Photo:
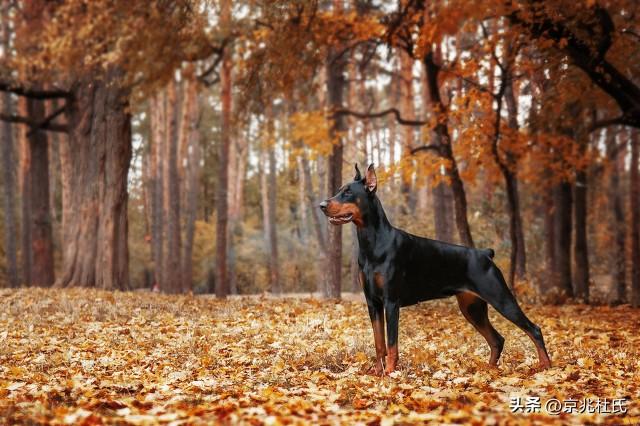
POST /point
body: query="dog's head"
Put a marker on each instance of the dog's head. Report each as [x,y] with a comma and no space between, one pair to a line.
[352,199]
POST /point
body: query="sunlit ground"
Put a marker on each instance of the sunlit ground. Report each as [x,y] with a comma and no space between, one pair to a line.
[79,356]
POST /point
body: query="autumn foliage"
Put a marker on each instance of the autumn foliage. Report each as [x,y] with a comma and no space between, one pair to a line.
[89,357]
[153,153]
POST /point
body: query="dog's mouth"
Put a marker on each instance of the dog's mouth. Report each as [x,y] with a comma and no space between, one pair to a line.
[340,220]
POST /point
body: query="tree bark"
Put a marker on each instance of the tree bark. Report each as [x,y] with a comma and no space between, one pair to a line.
[580,210]
[172,279]
[194,155]
[95,250]
[634,205]
[42,269]
[8,179]
[617,222]
[335,87]
[274,274]
[25,198]
[7,151]
[562,232]
[157,119]
[222,206]
[550,238]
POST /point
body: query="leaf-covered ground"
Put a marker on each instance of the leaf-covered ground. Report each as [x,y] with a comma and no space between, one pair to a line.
[80,356]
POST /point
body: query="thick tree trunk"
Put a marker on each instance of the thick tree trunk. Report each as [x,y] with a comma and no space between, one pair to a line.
[171,263]
[562,250]
[634,205]
[8,179]
[25,198]
[222,188]
[446,151]
[95,250]
[336,86]
[237,170]
[442,214]
[617,222]
[54,167]
[7,151]
[42,270]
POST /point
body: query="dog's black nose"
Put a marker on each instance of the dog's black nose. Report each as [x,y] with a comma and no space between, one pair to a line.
[323,205]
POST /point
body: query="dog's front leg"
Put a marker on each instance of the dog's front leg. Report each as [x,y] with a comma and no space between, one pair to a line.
[376,313]
[392,313]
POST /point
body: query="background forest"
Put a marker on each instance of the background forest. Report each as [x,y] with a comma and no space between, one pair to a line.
[186,144]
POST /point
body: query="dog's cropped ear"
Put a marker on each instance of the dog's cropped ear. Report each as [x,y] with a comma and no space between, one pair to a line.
[370,179]
[358,176]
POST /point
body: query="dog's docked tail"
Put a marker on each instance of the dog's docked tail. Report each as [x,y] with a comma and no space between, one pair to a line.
[489,252]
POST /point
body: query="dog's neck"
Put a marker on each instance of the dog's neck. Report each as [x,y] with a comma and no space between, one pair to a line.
[375,225]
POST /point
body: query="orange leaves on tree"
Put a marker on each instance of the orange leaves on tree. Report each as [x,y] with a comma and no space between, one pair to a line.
[312,129]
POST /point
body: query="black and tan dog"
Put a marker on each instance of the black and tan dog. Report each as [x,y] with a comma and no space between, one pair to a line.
[399,269]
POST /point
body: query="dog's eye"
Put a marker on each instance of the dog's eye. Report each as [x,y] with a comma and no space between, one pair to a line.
[347,192]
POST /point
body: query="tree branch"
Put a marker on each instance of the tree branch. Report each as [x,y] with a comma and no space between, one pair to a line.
[622,120]
[394,111]
[44,125]
[435,148]
[33,93]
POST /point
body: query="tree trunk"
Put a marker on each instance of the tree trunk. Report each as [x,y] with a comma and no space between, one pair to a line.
[408,112]
[562,232]
[580,248]
[446,151]
[550,238]
[336,86]
[42,271]
[172,280]
[7,151]
[274,275]
[313,205]
[8,179]
[157,120]
[302,201]
[222,188]
[442,214]
[617,223]
[25,198]
[518,256]
[515,227]
[634,194]
[95,250]
[193,155]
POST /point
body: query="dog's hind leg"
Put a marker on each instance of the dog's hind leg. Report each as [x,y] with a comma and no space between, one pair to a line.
[491,287]
[475,311]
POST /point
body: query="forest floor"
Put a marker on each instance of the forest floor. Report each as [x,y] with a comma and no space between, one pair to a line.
[90,357]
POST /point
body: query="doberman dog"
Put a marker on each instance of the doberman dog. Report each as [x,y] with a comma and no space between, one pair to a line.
[398,269]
